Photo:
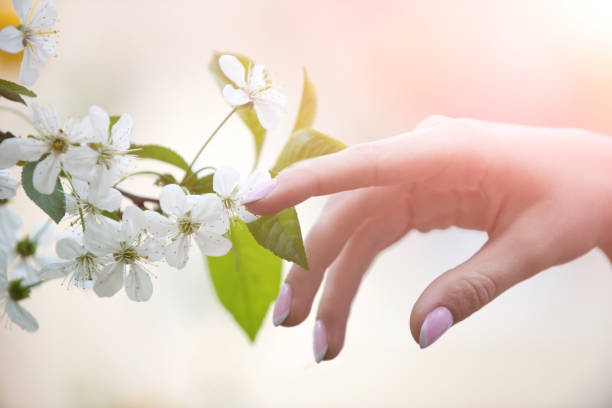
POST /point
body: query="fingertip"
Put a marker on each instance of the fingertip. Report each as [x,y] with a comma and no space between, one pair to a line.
[436,323]
[300,309]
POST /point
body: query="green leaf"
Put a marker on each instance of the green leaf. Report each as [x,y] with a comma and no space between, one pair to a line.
[308,106]
[160,153]
[165,179]
[53,204]
[246,280]
[13,91]
[202,185]
[281,234]
[245,112]
[306,144]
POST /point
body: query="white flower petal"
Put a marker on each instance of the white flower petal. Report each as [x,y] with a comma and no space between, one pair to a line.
[81,188]
[273,96]
[110,280]
[69,248]
[78,161]
[28,73]
[44,16]
[25,270]
[100,123]
[45,120]
[103,177]
[72,205]
[151,250]
[244,215]
[10,152]
[257,77]
[218,226]
[254,180]
[23,9]
[3,272]
[133,223]
[78,131]
[172,200]
[109,199]
[159,225]
[8,186]
[45,259]
[212,244]
[57,270]
[208,210]
[44,48]
[103,238]
[46,173]
[31,149]
[205,207]
[121,133]
[42,233]
[21,317]
[138,285]
[270,108]
[225,181]
[11,40]
[235,97]
[10,224]
[233,69]
[177,252]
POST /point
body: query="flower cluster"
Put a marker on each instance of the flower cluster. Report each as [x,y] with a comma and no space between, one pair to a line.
[88,157]
[76,165]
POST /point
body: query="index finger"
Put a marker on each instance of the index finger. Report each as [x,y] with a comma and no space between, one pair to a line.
[416,156]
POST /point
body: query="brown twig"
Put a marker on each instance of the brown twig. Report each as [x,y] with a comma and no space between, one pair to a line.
[139,201]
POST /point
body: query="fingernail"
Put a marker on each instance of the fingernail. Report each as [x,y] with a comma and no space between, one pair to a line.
[436,323]
[320,341]
[282,305]
[260,191]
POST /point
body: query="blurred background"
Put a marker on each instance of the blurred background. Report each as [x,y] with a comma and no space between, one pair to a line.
[379,68]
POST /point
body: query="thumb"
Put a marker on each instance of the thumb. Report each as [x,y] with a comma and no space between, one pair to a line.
[525,248]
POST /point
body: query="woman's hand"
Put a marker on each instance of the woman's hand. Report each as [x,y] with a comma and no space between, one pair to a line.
[543,195]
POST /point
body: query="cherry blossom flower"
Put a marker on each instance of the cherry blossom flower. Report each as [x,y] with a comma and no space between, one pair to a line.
[79,263]
[13,292]
[33,35]
[55,143]
[105,155]
[8,186]
[26,251]
[199,216]
[253,87]
[89,203]
[226,183]
[128,247]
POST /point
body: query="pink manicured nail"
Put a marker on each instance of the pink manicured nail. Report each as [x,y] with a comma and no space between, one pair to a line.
[282,305]
[436,323]
[320,341]
[260,192]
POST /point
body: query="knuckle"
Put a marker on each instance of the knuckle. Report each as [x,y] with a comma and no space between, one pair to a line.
[472,292]
[367,151]
[307,177]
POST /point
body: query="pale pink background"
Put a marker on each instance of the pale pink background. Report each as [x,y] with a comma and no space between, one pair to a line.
[379,67]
